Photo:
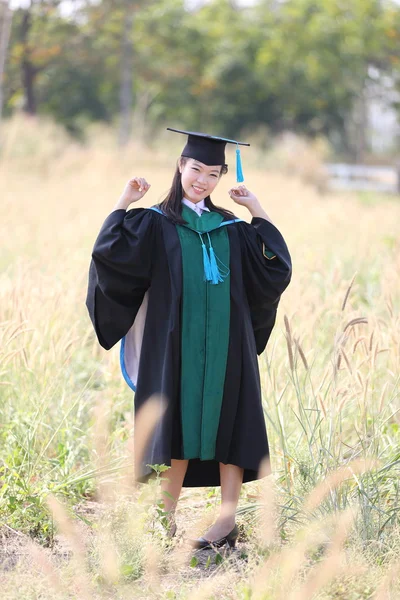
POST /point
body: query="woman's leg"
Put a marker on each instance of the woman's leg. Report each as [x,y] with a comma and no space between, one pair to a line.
[231,483]
[173,480]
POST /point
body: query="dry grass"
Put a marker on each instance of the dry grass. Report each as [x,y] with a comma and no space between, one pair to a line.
[324,525]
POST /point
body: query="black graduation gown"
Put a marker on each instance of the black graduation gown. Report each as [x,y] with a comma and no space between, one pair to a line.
[138,251]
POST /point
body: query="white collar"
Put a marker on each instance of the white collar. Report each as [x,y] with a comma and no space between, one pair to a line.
[198,207]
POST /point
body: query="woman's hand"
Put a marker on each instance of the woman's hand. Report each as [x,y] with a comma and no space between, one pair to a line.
[241,195]
[133,191]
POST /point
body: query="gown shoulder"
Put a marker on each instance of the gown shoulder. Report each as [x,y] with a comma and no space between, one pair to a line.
[120,271]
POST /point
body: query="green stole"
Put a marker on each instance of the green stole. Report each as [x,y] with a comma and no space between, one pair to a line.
[205,334]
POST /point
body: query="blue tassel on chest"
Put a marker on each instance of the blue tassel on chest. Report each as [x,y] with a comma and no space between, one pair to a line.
[212,272]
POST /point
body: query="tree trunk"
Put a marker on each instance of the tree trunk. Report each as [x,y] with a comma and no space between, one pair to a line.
[28,81]
[126,85]
[6,15]
[28,70]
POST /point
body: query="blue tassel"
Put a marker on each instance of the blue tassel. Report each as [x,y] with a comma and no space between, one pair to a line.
[206,261]
[239,170]
[215,274]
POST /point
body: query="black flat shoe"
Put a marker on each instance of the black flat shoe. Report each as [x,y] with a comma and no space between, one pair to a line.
[201,543]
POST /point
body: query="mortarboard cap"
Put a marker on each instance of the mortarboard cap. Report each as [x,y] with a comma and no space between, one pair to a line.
[210,149]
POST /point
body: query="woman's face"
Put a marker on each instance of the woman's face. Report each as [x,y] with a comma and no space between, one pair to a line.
[198,179]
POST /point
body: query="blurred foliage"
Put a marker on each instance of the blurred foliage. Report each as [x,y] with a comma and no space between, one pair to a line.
[300,65]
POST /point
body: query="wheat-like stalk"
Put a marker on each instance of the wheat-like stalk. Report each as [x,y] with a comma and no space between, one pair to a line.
[302,355]
[348,291]
[82,580]
[356,321]
[289,343]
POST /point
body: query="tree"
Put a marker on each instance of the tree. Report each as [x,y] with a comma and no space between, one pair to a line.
[317,57]
[303,65]
[53,68]
[5,29]
[33,50]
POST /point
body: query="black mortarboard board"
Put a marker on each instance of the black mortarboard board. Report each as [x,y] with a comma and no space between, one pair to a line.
[210,149]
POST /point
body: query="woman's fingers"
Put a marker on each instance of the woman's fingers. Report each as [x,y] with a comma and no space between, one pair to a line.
[144,184]
[139,183]
[135,183]
[241,190]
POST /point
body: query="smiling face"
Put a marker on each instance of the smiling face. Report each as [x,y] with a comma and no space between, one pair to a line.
[198,179]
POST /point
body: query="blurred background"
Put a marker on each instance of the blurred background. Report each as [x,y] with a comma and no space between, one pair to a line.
[325,71]
[87,89]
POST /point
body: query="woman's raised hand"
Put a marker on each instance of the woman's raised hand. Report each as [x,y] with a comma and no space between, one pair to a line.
[135,189]
[241,195]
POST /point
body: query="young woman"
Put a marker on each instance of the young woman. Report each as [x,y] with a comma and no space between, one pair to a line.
[192,293]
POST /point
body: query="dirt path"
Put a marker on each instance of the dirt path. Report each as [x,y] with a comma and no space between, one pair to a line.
[192,520]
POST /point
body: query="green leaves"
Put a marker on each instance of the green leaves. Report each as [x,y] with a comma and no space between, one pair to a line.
[298,64]
[194,561]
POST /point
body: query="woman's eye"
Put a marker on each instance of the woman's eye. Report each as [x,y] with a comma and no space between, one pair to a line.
[194,169]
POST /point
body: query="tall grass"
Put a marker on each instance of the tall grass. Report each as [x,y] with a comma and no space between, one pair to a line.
[324,525]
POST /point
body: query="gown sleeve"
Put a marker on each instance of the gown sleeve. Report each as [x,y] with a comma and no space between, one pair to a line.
[120,272]
[267,271]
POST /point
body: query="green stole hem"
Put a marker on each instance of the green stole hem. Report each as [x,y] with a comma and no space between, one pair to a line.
[205,334]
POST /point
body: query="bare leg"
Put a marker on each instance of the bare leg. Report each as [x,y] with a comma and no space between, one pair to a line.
[173,479]
[231,483]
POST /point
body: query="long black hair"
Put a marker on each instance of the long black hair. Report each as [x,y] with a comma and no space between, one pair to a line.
[172,203]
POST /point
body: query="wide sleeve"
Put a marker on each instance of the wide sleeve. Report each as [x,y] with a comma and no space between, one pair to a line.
[267,271]
[120,272]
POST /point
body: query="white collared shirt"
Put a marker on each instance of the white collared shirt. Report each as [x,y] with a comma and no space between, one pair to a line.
[198,207]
